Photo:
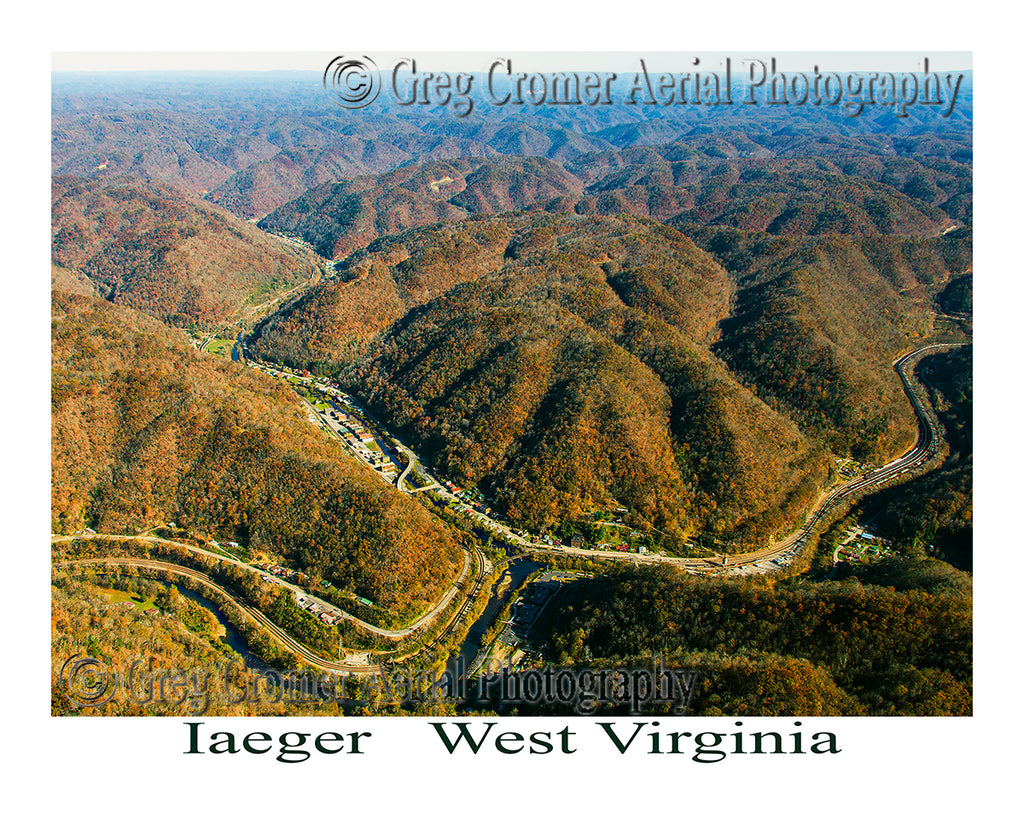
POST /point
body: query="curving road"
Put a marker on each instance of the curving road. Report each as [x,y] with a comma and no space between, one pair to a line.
[248,609]
[282,636]
[924,449]
[391,634]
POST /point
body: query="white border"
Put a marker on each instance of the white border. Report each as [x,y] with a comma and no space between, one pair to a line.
[937,767]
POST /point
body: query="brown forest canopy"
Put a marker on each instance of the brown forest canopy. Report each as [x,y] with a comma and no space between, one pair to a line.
[146,431]
[571,362]
[156,249]
[900,646]
[856,187]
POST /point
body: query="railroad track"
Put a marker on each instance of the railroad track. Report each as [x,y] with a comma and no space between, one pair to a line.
[285,639]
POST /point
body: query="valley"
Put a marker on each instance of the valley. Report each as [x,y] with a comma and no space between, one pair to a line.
[343,373]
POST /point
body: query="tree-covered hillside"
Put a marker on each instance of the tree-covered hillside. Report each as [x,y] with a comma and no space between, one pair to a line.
[146,432]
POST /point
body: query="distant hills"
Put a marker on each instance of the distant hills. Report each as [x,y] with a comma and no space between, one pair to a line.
[866,187]
[253,143]
[685,313]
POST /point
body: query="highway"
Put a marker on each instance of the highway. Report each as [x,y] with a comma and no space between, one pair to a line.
[924,449]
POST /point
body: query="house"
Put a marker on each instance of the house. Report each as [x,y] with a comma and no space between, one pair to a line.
[576,541]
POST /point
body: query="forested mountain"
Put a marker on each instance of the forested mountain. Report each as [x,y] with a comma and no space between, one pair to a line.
[862,187]
[900,647]
[958,296]
[340,217]
[146,431]
[562,361]
[818,321]
[784,183]
[175,257]
[568,362]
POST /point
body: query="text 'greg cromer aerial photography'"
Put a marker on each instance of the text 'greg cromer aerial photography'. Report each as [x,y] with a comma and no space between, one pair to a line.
[479,385]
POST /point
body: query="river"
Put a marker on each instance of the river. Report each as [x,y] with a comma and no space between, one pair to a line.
[231,638]
[517,571]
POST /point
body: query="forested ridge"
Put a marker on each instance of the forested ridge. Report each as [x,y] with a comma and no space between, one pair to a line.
[570,363]
[145,431]
[340,217]
[169,254]
[765,648]
[865,186]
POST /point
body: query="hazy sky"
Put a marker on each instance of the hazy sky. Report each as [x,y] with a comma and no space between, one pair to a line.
[521,61]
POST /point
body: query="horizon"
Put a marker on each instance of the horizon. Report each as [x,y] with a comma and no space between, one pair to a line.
[533,61]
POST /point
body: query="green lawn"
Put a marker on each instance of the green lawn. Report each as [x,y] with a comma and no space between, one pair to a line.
[221,347]
[118,596]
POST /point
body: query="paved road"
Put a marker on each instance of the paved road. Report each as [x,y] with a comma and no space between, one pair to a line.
[391,634]
[413,462]
[252,612]
[276,631]
[925,446]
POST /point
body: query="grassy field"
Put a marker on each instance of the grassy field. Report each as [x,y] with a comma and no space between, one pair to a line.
[118,596]
[221,347]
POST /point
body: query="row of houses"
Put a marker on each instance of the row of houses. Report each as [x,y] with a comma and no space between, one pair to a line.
[321,613]
[359,438]
[351,429]
[284,571]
